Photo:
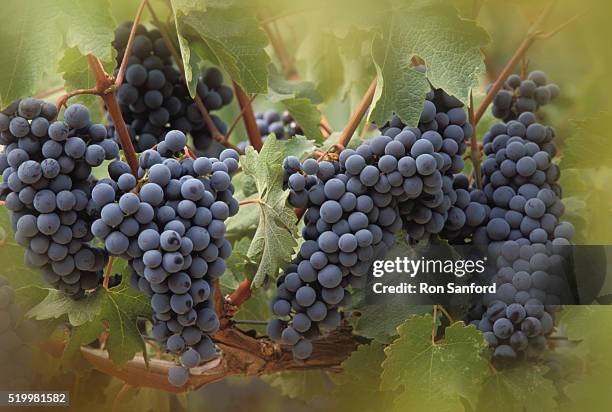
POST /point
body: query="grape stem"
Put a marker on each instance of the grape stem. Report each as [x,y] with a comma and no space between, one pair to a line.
[434,328]
[445,313]
[533,34]
[108,271]
[241,294]
[362,108]
[475,153]
[237,119]
[106,89]
[242,354]
[248,117]
[128,47]
[249,201]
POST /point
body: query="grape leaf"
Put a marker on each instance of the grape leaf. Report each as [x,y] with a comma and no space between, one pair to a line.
[119,310]
[523,388]
[230,36]
[76,74]
[434,376]
[298,146]
[307,116]
[58,304]
[300,99]
[358,386]
[449,45]
[380,322]
[275,239]
[34,33]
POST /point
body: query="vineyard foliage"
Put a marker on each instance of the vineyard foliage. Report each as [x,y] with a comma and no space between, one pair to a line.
[409,357]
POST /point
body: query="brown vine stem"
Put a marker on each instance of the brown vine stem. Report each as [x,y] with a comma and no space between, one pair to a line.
[279,48]
[249,201]
[434,328]
[533,34]
[362,108]
[61,102]
[475,153]
[445,312]
[128,47]
[248,117]
[237,119]
[104,82]
[107,272]
[241,294]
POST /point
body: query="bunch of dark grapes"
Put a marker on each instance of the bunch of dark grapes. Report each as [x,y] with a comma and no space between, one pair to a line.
[170,226]
[433,156]
[348,222]
[16,337]
[46,168]
[523,233]
[154,98]
[282,125]
[519,96]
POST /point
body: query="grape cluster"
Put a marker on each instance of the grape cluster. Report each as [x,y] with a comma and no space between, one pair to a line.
[347,224]
[522,230]
[46,170]
[519,96]
[432,155]
[16,336]
[154,98]
[170,226]
[282,125]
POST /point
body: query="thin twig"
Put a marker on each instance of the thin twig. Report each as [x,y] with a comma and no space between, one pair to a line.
[108,271]
[357,116]
[474,147]
[249,201]
[281,53]
[237,119]
[249,322]
[445,312]
[549,34]
[531,36]
[248,117]
[128,47]
[61,102]
[434,328]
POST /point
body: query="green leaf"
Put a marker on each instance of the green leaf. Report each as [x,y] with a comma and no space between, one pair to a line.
[280,89]
[522,388]
[275,239]
[298,146]
[380,321]
[358,386]
[77,75]
[243,223]
[449,45]
[33,34]
[119,310]
[230,36]
[307,116]
[58,304]
[299,98]
[434,376]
